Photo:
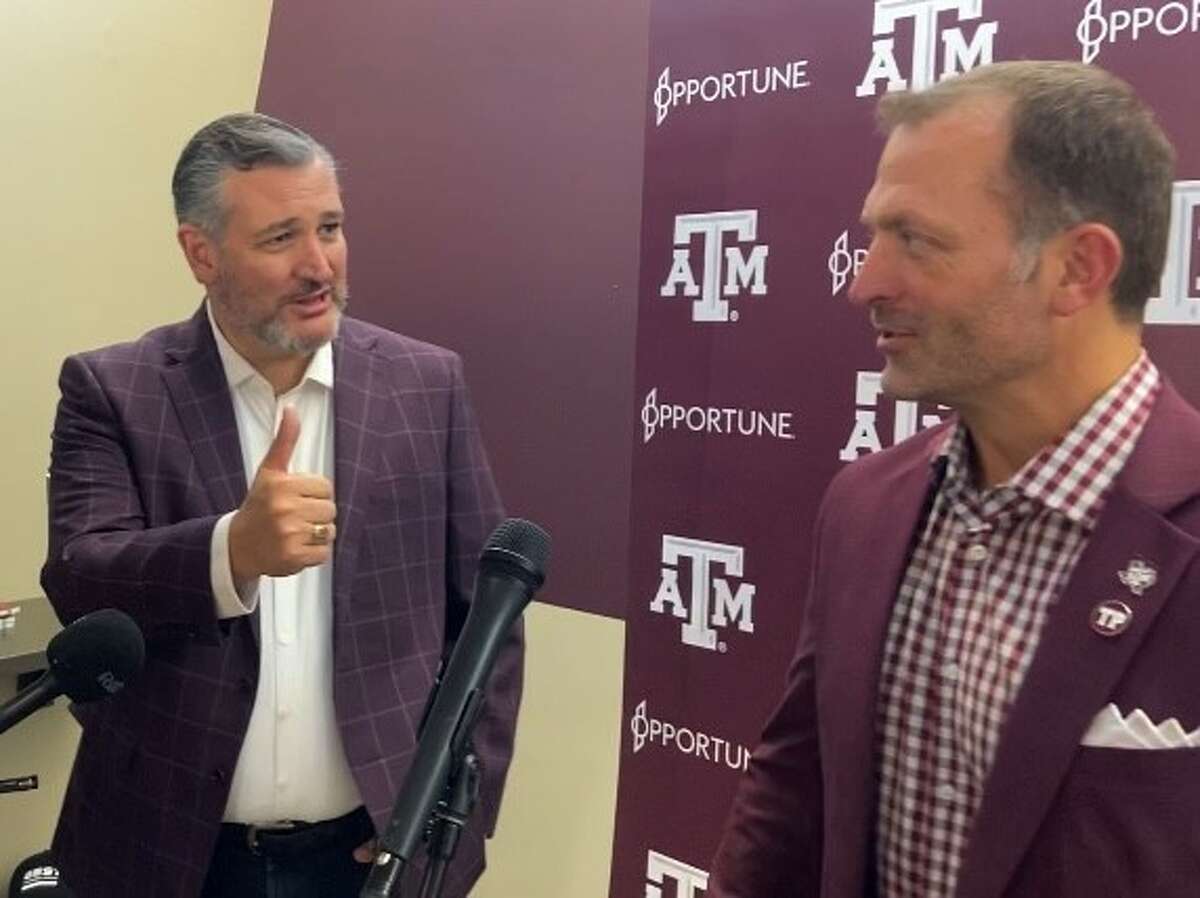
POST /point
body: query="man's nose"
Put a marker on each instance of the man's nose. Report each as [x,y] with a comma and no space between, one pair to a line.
[873,281]
[314,262]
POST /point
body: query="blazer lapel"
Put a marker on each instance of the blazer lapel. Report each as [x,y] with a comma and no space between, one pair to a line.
[361,395]
[851,656]
[195,381]
[1075,669]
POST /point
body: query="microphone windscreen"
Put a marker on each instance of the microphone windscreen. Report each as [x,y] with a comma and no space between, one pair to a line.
[96,655]
[520,543]
[38,877]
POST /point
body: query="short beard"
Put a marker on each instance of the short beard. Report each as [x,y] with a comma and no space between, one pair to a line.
[271,332]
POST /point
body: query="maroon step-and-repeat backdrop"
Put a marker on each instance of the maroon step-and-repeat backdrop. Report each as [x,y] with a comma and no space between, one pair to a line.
[755,380]
[493,159]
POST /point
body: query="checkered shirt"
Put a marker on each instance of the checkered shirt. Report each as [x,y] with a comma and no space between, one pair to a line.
[987,568]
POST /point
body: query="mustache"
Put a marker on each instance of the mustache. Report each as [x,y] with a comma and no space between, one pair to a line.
[310,288]
[339,292]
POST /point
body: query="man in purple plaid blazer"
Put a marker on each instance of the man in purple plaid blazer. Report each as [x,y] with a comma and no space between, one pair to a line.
[291,504]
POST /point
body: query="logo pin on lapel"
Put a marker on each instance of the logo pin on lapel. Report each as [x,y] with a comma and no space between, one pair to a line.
[1111,618]
[1138,576]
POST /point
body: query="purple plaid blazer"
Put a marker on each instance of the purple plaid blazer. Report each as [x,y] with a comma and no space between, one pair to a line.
[1057,820]
[145,459]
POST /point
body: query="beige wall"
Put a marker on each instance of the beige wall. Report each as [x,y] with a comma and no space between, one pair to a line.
[99,96]
[554,838]
[98,99]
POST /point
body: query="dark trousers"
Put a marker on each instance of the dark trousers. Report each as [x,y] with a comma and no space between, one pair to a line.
[307,861]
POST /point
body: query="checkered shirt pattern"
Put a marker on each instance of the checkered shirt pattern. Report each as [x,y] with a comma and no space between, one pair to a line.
[987,568]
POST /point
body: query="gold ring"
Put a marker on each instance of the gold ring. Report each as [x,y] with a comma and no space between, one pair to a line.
[319,535]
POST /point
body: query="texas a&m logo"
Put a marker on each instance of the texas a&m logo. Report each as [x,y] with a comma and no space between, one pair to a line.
[1178,300]
[687,878]
[864,435]
[932,39]
[711,602]
[725,271]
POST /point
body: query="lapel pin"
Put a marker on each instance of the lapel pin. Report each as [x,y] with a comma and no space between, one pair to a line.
[1138,576]
[1111,618]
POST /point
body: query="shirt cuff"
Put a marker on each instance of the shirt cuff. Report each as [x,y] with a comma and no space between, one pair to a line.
[232,600]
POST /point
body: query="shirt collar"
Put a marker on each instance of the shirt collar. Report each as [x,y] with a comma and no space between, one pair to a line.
[1071,475]
[238,371]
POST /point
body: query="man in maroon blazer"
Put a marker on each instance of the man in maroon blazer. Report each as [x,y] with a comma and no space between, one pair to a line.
[995,688]
[291,504]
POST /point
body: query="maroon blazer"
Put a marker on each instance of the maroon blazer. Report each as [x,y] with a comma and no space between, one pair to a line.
[1056,819]
[145,459]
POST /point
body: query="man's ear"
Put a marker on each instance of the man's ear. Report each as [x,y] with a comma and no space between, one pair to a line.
[200,251]
[1090,256]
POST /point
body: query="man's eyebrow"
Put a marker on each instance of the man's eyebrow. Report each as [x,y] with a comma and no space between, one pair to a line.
[890,221]
[286,223]
[898,221]
[281,225]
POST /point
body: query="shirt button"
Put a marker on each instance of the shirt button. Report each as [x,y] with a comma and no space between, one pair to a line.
[976,553]
[947,792]
[950,671]
[284,711]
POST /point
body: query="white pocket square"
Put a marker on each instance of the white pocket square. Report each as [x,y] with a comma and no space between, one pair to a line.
[1111,729]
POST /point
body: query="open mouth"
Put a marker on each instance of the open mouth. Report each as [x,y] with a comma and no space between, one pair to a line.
[318,295]
[887,339]
[313,303]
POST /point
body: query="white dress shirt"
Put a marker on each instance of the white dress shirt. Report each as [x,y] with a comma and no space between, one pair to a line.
[292,765]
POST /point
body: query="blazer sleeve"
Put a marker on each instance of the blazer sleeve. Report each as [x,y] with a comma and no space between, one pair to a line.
[772,840]
[474,510]
[102,552]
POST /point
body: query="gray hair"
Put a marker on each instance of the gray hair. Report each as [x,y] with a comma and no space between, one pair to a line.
[1083,148]
[242,141]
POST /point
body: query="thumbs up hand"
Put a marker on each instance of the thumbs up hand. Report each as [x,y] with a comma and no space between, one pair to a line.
[285,523]
[279,453]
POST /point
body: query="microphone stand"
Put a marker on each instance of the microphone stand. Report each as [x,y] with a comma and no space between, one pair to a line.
[446,823]
[442,786]
[449,819]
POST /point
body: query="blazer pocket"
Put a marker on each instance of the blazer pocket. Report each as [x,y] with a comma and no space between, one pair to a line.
[1131,769]
[1124,824]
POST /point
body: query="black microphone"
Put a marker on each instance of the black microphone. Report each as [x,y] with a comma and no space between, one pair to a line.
[511,569]
[93,657]
[38,876]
